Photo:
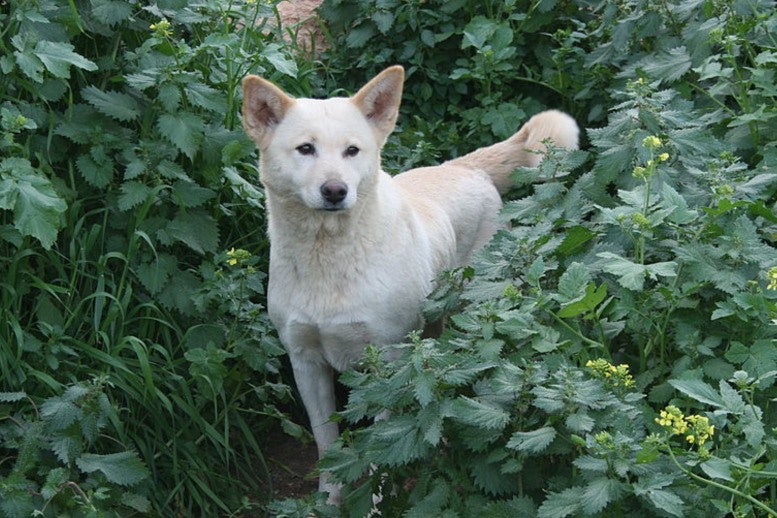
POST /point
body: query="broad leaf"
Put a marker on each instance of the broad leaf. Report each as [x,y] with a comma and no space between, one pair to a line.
[37,206]
[117,105]
[479,413]
[599,493]
[698,390]
[124,468]
[58,57]
[558,505]
[184,131]
[196,229]
[532,442]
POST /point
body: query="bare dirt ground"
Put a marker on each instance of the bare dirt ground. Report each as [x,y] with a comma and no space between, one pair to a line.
[291,465]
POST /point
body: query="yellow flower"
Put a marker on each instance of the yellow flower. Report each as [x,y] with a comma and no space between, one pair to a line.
[696,428]
[614,376]
[161,28]
[701,430]
[651,142]
[236,256]
[663,157]
[772,275]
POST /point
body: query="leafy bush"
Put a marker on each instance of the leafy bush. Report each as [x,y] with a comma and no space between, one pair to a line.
[124,176]
[613,352]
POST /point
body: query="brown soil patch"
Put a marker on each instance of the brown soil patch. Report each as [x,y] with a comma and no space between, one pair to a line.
[291,464]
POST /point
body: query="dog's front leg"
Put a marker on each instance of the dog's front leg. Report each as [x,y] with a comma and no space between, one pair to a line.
[315,382]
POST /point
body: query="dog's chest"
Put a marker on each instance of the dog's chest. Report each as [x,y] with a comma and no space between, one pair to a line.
[333,311]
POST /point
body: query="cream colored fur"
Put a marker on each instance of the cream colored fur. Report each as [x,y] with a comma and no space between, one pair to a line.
[354,251]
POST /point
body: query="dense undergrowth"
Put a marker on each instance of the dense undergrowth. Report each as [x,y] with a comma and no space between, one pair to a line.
[613,352]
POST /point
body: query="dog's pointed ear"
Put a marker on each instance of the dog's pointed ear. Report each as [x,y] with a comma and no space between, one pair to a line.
[379,99]
[264,106]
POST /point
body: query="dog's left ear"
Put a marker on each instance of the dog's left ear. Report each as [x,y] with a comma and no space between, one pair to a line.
[379,99]
[264,106]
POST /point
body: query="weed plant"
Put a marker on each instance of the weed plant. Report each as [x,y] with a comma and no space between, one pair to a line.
[613,351]
[136,362]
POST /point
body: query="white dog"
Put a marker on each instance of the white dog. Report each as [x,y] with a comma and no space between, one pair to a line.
[354,251]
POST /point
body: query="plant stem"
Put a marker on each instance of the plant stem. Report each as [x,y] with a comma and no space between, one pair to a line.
[734,491]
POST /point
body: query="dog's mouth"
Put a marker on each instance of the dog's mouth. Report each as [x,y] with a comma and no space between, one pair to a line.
[333,208]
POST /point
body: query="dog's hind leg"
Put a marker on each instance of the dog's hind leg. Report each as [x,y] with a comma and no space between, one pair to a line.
[315,382]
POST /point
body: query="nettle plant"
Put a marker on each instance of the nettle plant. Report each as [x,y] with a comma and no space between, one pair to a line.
[612,352]
[54,468]
[124,176]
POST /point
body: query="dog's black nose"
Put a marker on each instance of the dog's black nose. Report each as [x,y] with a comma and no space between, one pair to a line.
[334,191]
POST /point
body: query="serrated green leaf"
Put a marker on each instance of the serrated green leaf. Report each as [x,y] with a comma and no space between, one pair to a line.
[137,502]
[30,65]
[666,501]
[54,482]
[630,275]
[281,61]
[197,230]
[592,464]
[206,97]
[36,204]
[532,442]
[668,66]
[479,413]
[12,397]
[559,505]
[155,274]
[599,493]
[189,194]
[133,193]
[111,12]
[575,237]
[573,282]
[698,390]
[97,172]
[58,57]
[488,477]
[580,422]
[671,199]
[593,297]
[423,387]
[66,447]
[731,399]
[123,468]
[58,413]
[179,292]
[119,106]
[183,130]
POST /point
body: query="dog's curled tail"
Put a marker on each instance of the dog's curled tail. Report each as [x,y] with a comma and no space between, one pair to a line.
[524,149]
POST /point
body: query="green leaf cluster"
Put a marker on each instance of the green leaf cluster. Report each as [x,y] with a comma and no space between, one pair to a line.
[125,175]
[650,251]
[63,460]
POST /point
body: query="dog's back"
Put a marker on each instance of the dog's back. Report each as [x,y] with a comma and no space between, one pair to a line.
[468,188]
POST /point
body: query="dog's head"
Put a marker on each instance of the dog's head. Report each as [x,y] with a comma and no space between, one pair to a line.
[321,151]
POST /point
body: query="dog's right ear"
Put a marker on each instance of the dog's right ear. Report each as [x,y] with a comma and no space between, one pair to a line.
[264,106]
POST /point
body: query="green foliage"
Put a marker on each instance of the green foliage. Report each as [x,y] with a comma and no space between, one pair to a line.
[635,280]
[55,465]
[124,176]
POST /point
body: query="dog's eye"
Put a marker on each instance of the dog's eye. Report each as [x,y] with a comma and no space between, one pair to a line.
[306,149]
[351,151]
